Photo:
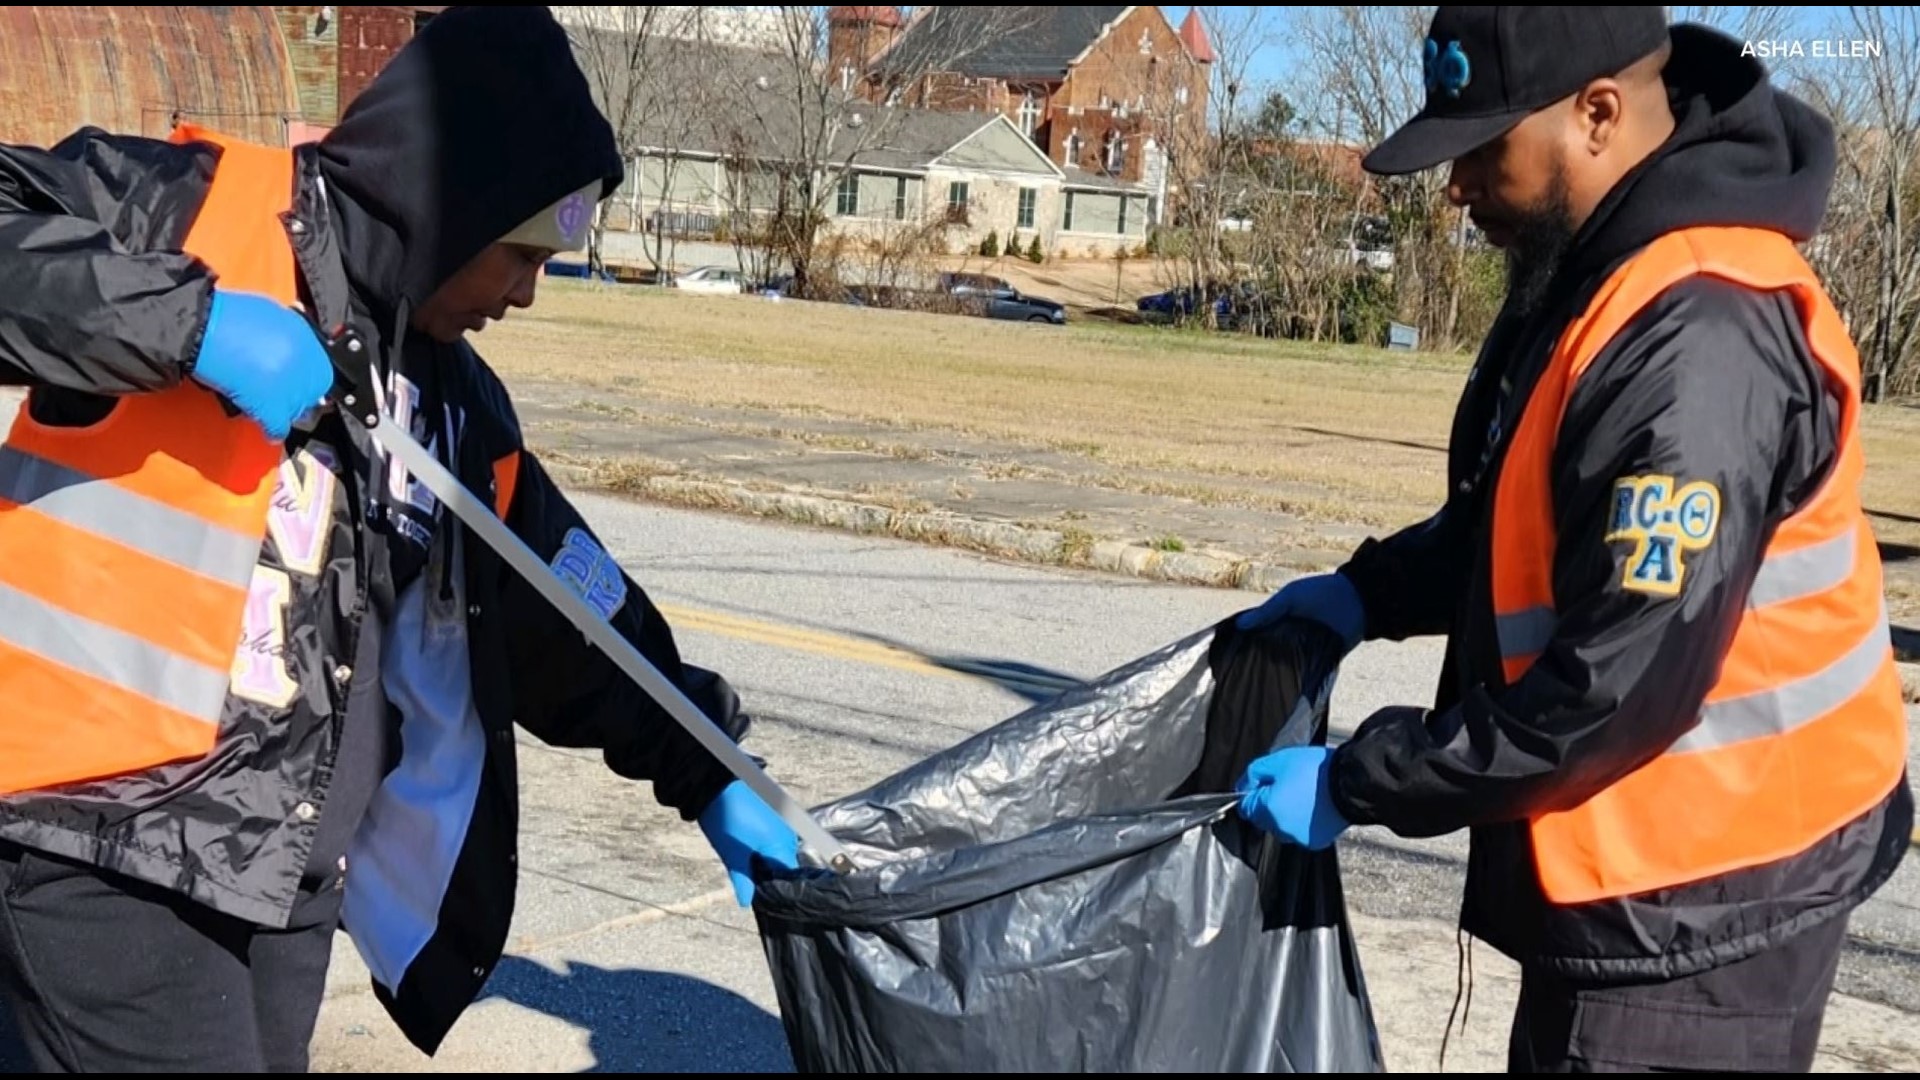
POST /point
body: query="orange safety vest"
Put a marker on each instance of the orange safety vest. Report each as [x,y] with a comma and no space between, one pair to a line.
[127,548]
[1804,728]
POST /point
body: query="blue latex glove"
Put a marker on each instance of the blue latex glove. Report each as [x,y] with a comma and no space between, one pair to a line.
[1328,599]
[742,827]
[265,358]
[1287,794]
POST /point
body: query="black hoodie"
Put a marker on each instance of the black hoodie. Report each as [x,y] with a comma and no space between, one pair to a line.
[1710,380]
[482,121]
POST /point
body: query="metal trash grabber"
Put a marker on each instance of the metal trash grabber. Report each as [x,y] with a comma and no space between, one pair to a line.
[356,395]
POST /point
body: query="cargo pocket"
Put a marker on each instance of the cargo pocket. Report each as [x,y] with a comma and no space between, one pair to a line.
[1627,1031]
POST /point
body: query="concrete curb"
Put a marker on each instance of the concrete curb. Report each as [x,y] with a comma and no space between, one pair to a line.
[1044,546]
[1051,547]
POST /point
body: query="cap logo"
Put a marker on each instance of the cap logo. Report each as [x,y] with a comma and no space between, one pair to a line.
[1446,72]
[571,215]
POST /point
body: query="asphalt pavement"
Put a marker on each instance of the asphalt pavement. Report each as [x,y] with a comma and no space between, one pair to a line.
[859,657]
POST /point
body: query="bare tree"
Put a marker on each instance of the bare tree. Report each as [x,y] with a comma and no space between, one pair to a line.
[1363,78]
[796,123]
[1869,250]
[1305,240]
[1212,154]
[635,61]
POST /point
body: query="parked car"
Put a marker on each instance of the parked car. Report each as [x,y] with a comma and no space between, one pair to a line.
[780,286]
[1235,308]
[1183,302]
[994,298]
[564,268]
[711,279]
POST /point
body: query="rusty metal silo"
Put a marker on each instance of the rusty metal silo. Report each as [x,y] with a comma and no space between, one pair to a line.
[132,69]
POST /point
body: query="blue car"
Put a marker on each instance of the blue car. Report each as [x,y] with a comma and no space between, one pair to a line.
[1184,303]
[558,268]
[994,298]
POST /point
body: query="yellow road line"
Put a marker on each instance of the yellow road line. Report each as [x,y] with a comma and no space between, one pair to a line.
[842,647]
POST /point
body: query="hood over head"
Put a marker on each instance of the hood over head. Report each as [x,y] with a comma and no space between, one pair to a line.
[480,123]
[1743,152]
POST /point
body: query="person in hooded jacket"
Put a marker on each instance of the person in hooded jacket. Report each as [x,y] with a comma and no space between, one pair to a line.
[174,910]
[1669,712]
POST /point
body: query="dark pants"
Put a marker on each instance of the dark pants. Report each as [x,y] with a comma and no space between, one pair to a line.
[1762,1014]
[104,974]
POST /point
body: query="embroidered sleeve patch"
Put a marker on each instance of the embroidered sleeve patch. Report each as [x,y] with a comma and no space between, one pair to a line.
[1665,522]
[591,573]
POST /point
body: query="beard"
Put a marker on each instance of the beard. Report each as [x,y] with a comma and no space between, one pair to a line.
[1542,234]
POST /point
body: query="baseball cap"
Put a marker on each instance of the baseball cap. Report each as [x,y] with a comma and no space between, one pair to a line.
[1488,68]
[562,226]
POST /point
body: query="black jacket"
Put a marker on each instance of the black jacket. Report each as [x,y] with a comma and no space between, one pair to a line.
[1710,380]
[371,719]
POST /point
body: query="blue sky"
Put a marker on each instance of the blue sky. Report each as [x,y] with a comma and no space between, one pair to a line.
[1272,64]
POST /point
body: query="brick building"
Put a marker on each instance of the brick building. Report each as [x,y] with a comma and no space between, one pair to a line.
[281,75]
[135,70]
[336,51]
[1115,96]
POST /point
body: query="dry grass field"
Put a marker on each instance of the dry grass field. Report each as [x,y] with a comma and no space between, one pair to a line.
[1334,434]
[1329,434]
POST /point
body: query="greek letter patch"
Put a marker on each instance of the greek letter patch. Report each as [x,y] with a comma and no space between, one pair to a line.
[1665,523]
[591,573]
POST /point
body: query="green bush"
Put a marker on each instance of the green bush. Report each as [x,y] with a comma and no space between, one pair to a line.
[1366,307]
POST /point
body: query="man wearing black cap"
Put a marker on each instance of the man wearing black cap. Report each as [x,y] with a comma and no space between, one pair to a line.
[1669,713]
[256,681]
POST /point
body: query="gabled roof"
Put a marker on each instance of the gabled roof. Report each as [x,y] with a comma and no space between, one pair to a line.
[743,101]
[1193,34]
[999,120]
[913,139]
[1004,41]
[779,128]
[879,15]
[1082,180]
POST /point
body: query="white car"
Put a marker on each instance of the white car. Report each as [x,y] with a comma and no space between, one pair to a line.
[712,279]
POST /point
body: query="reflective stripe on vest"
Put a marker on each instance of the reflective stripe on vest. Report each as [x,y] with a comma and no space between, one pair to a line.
[1804,728]
[128,547]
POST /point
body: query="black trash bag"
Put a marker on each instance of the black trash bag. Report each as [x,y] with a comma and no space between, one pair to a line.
[1073,890]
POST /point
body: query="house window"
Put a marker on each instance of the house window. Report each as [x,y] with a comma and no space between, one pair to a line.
[1073,148]
[1029,114]
[1114,153]
[846,75]
[1066,221]
[1028,199]
[1123,215]
[899,198]
[957,195]
[848,203]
